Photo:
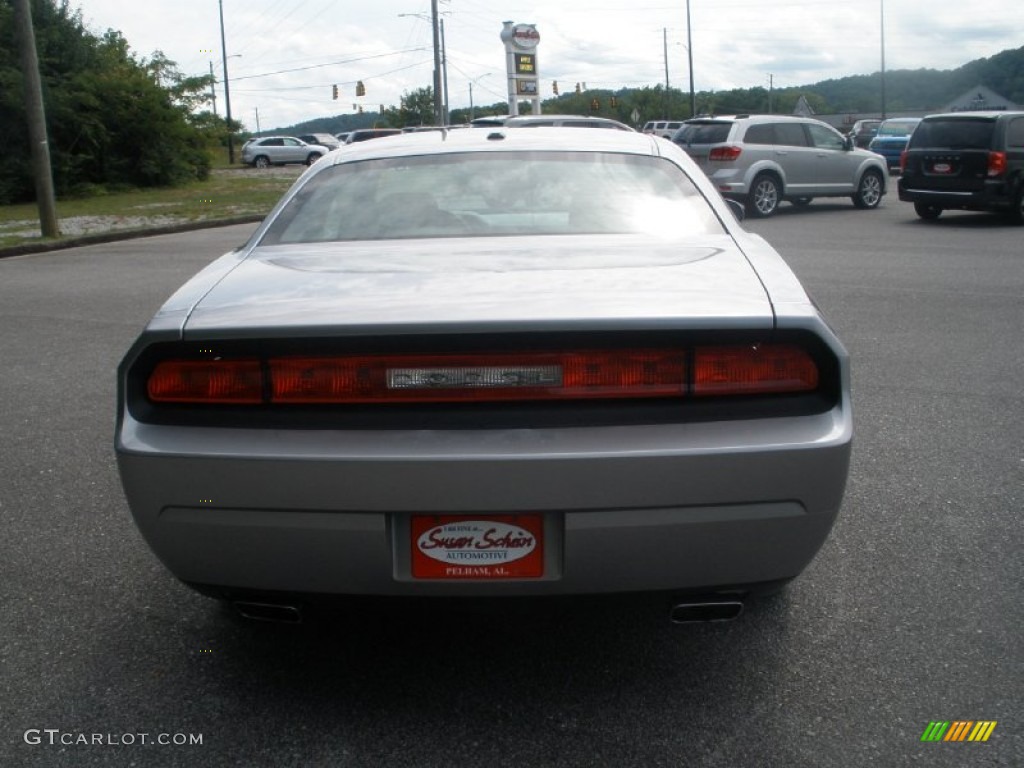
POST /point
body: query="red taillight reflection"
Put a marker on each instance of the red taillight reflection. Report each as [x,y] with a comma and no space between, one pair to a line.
[724,154]
[760,369]
[751,369]
[903,161]
[996,163]
[494,377]
[206,381]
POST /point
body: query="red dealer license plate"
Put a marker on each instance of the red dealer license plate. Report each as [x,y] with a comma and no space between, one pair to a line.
[486,547]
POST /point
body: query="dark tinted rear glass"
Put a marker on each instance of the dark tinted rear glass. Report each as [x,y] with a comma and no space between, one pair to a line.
[790,135]
[702,133]
[953,133]
[760,134]
[1015,133]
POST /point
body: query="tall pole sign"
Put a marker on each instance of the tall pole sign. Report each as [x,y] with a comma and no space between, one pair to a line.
[521,65]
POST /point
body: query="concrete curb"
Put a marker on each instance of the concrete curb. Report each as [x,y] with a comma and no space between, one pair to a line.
[125,234]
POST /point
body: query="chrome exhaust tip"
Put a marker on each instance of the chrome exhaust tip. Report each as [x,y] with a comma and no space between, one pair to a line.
[272,612]
[705,611]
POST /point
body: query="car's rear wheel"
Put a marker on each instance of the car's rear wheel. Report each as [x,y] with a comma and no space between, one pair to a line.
[869,191]
[313,157]
[764,196]
[261,162]
[927,211]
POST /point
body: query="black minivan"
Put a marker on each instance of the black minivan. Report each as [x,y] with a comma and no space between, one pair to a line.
[970,161]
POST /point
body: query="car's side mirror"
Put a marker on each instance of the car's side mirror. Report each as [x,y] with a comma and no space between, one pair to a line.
[737,209]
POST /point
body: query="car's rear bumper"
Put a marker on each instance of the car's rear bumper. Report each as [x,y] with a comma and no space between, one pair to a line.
[627,508]
[991,195]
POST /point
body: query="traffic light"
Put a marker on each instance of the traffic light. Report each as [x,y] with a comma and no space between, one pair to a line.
[554,87]
[334,92]
[360,89]
[577,87]
[595,105]
[360,109]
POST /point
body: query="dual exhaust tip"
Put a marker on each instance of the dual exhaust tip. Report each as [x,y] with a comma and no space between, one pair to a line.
[276,613]
[692,612]
[703,611]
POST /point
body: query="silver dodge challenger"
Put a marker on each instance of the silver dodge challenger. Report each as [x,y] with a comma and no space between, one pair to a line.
[489,363]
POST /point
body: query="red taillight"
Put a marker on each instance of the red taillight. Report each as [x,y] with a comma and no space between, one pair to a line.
[206,381]
[903,161]
[760,369]
[494,377]
[996,163]
[724,154]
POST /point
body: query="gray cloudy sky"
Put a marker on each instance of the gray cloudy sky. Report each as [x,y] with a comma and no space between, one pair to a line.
[604,43]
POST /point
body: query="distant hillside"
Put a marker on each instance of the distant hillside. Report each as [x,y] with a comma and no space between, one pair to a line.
[922,89]
[332,125]
[910,90]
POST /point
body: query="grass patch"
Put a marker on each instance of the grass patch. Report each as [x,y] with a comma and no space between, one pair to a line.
[226,194]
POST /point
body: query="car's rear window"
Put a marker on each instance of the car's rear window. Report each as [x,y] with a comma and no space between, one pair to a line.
[953,133]
[702,133]
[495,193]
[897,127]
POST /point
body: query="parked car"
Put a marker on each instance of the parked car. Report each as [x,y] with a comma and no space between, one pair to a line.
[663,128]
[342,137]
[488,121]
[761,160]
[323,139]
[365,134]
[971,161]
[279,150]
[564,121]
[863,131]
[891,139]
[523,363]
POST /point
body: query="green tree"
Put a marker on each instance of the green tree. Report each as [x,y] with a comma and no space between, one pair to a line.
[112,120]
[415,108]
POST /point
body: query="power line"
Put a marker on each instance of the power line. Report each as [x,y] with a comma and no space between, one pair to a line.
[328,64]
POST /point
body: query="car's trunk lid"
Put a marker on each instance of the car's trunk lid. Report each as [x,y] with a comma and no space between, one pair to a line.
[472,285]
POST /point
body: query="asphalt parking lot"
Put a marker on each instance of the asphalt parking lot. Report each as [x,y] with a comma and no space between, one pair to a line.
[910,614]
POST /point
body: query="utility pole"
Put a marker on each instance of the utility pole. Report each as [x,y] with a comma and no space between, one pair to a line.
[882,16]
[771,86]
[438,106]
[444,71]
[689,53]
[213,90]
[664,45]
[227,91]
[36,119]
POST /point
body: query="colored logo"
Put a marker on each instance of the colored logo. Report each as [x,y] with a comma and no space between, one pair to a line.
[958,730]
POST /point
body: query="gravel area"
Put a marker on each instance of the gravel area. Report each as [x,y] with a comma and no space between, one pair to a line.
[86,225]
[75,226]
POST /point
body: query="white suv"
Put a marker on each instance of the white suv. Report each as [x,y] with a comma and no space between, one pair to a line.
[663,128]
[761,160]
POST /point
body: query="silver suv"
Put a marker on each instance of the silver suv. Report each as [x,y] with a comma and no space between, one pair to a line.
[761,160]
[278,150]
